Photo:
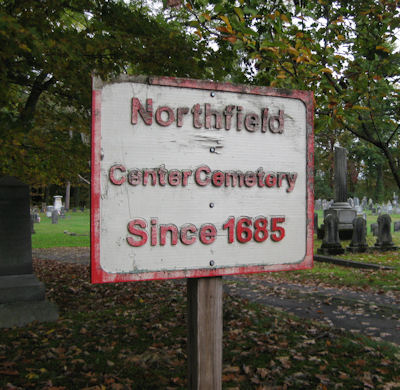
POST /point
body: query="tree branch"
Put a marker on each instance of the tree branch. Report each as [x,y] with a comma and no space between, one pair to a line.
[392,135]
[38,87]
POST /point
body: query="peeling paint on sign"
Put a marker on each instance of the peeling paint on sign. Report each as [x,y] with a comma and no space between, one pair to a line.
[195,179]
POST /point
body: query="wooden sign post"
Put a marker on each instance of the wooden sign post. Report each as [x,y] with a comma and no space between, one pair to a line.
[196,179]
[205,333]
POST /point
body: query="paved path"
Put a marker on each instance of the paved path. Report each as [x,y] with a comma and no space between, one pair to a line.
[371,314]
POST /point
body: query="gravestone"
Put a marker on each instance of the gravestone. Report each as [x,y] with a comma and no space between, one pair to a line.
[49,211]
[315,221]
[36,217]
[396,226]
[54,217]
[22,295]
[32,221]
[359,240]
[359,210]
[331,242]
[318,204]
[340,207]
[62,213]
[370,204]
[384,241]
[364,202]
[374,229]
[58,202]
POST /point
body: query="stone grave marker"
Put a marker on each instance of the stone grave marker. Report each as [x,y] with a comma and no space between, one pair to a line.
[331,242]
[22,295]
[370,204]
[58,202]
[32,221]
[359,240]
[384,241]
[364,202]
[54,217]
[396,226]
[340,207]
[49,211]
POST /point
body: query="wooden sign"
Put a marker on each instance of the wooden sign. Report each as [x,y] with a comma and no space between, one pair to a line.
[195,178]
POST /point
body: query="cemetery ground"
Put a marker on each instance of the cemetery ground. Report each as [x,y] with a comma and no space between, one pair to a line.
[133,335]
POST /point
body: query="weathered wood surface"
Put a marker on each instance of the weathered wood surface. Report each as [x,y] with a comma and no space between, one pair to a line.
[205,333]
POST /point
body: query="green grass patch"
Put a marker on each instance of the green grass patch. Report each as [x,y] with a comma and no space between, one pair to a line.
[133,336]
[50,235]
[337,276]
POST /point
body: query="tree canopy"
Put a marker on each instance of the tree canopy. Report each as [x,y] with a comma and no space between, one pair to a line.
[51,48]
[344,50]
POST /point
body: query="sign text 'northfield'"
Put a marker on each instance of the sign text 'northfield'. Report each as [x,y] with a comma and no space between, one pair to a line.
[204,116]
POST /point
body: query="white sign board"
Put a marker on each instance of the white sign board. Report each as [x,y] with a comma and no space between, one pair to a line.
[194,178]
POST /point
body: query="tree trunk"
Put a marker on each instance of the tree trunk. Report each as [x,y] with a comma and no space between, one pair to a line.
[67,195]
[379,191]
[392,164]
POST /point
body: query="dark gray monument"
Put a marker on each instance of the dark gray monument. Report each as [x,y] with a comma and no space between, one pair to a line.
[22,295]
[32,218]
[341,208]
[359,240]
[54,217]
[384,241]
[331,242]
[374,229]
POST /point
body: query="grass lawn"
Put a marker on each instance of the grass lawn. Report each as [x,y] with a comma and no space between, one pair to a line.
[48,235]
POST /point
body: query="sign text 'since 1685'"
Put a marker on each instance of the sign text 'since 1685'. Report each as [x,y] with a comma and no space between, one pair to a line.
[195,178]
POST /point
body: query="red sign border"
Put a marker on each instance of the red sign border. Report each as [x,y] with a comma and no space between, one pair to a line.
[98,275]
